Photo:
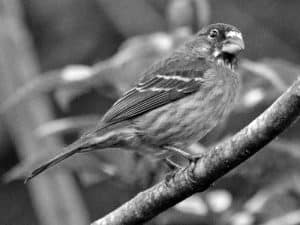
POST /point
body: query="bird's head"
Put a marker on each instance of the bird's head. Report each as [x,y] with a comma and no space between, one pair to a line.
[221,42]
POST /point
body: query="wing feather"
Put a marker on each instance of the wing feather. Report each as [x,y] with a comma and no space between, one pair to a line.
[157,91]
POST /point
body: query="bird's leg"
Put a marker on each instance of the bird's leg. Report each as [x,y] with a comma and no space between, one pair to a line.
[171,164]
[175,167]
[192,158]
[186,155]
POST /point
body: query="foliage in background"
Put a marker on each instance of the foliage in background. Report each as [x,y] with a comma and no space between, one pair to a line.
[95,48]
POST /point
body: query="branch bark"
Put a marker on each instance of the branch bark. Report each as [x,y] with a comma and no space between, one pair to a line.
[217,162]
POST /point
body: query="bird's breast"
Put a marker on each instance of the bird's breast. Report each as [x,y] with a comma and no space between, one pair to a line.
[189,119]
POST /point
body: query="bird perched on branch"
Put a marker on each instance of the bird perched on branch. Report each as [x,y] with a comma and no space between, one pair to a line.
[178,101]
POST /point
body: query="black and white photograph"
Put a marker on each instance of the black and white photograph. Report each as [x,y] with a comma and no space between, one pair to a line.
[155,112]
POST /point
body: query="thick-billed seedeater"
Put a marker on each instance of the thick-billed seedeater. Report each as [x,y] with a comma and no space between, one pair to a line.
[178,101]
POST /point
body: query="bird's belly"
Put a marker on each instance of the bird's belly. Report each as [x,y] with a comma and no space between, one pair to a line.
[188,120]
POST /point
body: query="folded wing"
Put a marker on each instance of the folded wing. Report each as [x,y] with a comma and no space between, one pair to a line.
[152,93]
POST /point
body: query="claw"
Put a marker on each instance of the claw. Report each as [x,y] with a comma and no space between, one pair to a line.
[172,174]
[169,176]
[195,157]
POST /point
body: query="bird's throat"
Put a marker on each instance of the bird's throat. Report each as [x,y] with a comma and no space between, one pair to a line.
[228,60]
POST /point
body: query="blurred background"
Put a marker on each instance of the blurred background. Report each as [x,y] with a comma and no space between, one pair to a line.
[64,62]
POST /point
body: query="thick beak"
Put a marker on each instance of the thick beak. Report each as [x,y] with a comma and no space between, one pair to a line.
[234,43]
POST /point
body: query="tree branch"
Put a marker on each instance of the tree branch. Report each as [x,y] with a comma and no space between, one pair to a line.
[217,162]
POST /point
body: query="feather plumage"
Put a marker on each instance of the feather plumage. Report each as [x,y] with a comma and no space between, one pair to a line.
[178,100]
[150,94]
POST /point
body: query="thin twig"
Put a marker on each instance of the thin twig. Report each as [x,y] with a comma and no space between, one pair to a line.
[218,161]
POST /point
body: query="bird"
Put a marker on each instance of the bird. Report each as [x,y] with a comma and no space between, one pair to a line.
[178,100]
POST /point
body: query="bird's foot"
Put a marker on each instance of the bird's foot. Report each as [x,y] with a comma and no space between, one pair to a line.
[192,158]
[173,166]
[169,176]
[195,157]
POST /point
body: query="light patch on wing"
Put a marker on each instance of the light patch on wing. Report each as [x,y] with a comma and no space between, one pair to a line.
[157,91]
[168,77]
[153,89]
[198,79]
[232,34]
[174,77]
[185,79]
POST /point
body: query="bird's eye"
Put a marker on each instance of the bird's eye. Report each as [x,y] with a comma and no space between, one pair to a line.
[213,33]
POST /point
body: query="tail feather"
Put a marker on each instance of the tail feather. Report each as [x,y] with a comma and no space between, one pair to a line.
[107,136]
[53,162]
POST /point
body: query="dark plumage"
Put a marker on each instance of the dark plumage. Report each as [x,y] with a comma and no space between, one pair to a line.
[177,102]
